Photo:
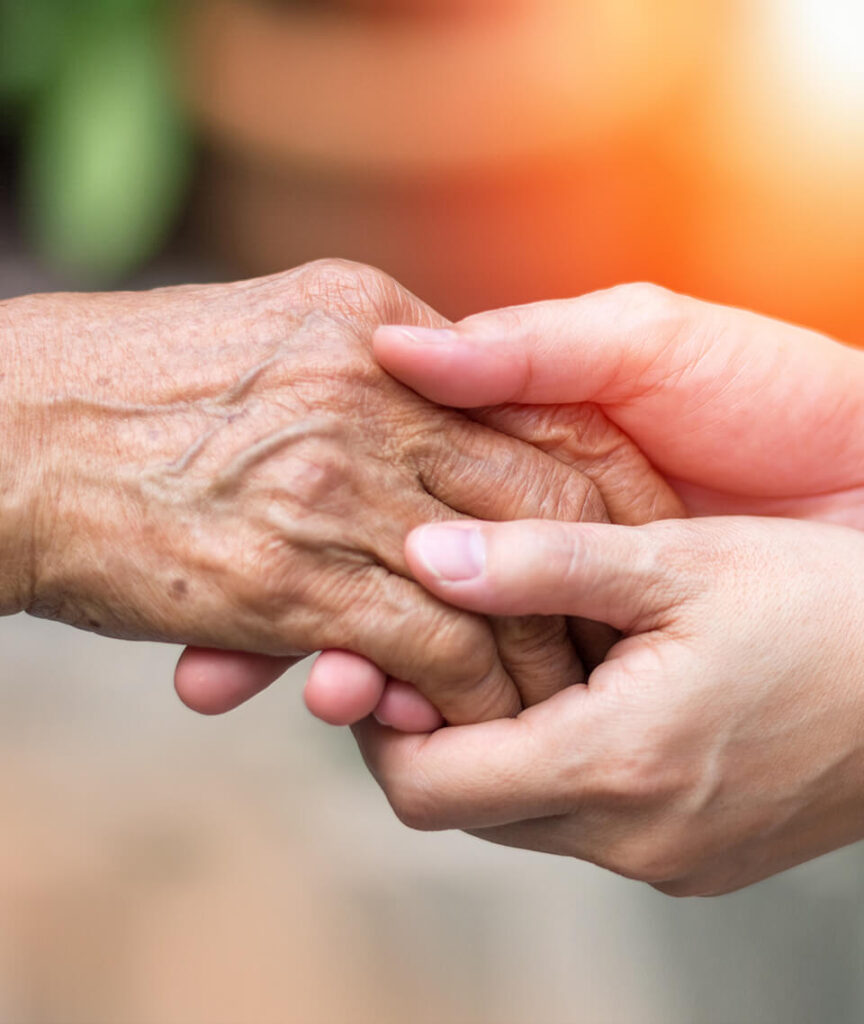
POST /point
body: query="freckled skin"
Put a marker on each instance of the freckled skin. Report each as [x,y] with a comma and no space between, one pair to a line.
[227,466]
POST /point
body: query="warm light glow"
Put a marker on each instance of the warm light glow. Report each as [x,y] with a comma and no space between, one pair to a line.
[827,37]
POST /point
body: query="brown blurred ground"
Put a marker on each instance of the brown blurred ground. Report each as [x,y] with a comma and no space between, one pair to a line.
[162,869]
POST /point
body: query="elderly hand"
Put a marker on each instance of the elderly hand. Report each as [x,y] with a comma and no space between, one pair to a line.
[344,687]
[722,740]
[228,466]
[741,414]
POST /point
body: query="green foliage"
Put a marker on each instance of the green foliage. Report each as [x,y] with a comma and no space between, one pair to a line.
[31,39]
[105,147]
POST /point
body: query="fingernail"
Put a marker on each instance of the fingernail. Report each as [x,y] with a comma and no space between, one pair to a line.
[451,552]
[423,335]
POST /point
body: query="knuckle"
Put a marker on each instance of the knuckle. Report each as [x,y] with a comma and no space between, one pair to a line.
[451,639]
[317,479]
[647,785]
[303,576]
[333,272]
[355,288]
[555,492]
[466,680]
[538,654]
[662,320]
[578,434]
[457,641]
[264,582]
[531,634]
[450,655]
[644,778]
[579,501]
[646,297]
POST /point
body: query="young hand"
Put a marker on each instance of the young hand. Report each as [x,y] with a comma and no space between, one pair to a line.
[721,741]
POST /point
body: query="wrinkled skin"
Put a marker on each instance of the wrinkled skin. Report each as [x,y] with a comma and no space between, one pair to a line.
[227,466]
[344,688]
[739,413]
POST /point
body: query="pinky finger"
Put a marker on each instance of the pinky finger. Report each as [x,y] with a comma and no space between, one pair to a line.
[213,682]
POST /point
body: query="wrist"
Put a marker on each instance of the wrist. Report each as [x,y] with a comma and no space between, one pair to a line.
[20,451]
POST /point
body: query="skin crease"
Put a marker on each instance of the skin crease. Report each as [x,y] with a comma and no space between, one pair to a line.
[722,740]
[580,436]
[741,413]
[712,396]
[227,466]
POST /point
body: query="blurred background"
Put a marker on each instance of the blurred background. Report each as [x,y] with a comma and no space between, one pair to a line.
[164,869]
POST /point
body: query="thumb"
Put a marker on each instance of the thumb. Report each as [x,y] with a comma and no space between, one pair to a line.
[596,348]
[612,574]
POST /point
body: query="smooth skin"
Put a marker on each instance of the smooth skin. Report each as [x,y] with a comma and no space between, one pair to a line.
[739,413]
[721,741]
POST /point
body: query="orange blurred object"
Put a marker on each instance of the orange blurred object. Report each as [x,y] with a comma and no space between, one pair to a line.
[482,160]
[507,150]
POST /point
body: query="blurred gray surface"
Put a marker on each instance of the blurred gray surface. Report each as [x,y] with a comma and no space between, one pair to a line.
[160,868]
[113,794]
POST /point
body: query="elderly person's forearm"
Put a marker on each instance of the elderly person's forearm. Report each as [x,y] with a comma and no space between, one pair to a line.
[19,462]
[227,466]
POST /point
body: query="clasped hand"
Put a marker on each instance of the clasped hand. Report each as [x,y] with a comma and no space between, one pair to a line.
[722,739]
[228,466]
[251,481]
